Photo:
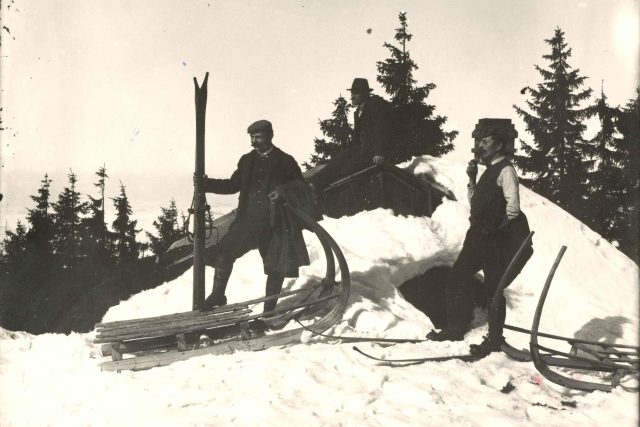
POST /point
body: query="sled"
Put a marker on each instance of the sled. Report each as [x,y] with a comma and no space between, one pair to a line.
[611,360]
[618,359]
[157,341]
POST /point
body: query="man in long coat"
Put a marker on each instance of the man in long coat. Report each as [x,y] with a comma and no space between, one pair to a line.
[258,177]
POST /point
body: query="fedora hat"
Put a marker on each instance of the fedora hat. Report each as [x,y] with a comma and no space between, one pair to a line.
[360,85]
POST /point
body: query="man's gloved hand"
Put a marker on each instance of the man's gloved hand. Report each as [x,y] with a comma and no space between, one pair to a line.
[195,179]
[472,170]
[378,160]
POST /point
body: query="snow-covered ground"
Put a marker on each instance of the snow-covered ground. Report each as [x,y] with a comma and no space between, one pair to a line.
[55,380]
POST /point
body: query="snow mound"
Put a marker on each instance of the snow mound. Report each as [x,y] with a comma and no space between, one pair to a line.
[594,296]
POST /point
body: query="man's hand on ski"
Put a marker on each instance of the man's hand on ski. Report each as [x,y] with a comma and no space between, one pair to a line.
[195,179]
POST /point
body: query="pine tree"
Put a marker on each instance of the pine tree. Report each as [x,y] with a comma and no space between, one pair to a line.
[14,251]
[126,247]
[557,164]
[68,211]
[168,229]
[628,229]
[41,231]
[418,131]
[607,187]
[97,245]
[338,132]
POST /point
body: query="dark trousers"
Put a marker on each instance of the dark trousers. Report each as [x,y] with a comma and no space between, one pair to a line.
[479,252]
[243,236]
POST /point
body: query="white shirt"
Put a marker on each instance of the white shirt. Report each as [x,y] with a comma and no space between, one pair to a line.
[508,181]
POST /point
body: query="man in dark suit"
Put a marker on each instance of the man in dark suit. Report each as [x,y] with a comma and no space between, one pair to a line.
[257,178]
[371,137]
[371,127]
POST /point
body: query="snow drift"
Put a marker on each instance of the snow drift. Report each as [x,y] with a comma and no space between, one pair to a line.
[55,379]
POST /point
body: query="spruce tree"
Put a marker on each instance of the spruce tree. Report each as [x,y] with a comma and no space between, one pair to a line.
[97,245]
[417,130]
[628,229]
[14,252]
[168,229]
[13,265]
[68,211]
[607,190]
[126,247]
[41,231]
[337,132]
[557,164]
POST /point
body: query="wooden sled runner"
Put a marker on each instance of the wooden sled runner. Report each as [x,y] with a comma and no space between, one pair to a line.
[159,341]
[613,360]
[618,359]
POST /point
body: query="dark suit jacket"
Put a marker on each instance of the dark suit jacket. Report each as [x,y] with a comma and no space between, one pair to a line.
[286,247]
[372,129]
[283,169]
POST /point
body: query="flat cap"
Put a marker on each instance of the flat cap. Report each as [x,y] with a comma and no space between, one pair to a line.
[260,126]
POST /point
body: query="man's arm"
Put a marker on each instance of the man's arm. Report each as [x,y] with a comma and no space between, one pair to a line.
[223,186]
[508,180]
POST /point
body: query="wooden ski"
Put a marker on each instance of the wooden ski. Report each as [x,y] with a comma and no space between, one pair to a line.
[199,199]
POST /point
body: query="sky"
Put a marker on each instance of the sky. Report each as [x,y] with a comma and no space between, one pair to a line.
[323,382]
[85,84]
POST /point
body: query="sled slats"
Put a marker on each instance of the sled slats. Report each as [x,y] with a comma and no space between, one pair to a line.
[168,357]
[164,329]
[172,317]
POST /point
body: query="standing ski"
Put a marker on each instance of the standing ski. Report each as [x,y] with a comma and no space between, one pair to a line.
[199,200]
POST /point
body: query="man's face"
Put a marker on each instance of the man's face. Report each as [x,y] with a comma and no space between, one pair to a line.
[488,149]
[358,98]
[261,141]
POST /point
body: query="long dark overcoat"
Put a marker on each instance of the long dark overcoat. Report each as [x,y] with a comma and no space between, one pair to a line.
[283,169]
[373,127]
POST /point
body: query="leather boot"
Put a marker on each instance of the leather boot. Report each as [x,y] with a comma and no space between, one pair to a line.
[273,287]
[217,297]
[445,335]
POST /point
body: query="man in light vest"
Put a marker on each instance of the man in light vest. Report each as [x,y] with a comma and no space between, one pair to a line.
[497,229]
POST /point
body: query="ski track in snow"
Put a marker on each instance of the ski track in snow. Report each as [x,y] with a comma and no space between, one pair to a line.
[54,379]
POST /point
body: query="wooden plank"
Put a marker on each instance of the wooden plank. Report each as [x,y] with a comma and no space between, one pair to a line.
[170,329]
[185,314]
[162,359]
[143,345]
[168,322]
